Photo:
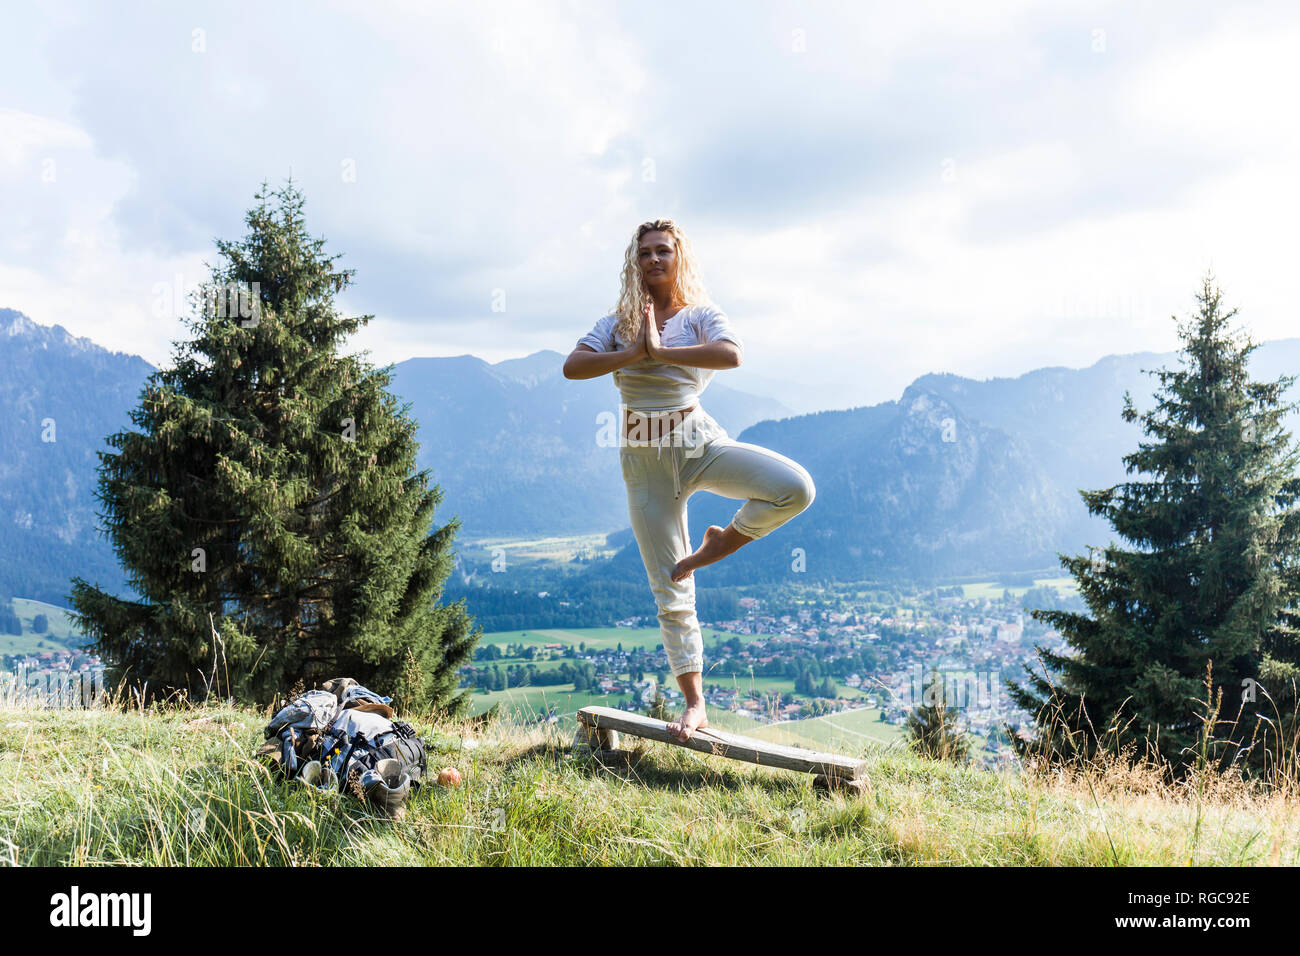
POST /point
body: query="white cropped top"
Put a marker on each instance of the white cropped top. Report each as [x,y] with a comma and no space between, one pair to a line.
[652,386]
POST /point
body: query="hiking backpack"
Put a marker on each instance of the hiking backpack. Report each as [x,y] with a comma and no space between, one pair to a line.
[348,729]
[357,740]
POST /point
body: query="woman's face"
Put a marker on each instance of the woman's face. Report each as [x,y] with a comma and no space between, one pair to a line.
[658,258]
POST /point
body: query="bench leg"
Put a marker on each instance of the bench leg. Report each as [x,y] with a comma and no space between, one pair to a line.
[594,738]
[586,740]
[822,782]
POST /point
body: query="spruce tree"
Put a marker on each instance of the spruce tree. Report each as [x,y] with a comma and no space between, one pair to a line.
[270,489]
[1208,584]
[934,728]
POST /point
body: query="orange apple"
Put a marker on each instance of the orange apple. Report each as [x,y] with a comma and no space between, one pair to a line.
[449,777]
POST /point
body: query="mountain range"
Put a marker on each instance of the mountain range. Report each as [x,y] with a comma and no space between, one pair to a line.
[956,477]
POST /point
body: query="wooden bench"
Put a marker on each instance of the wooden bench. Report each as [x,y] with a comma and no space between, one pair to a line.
[599,729]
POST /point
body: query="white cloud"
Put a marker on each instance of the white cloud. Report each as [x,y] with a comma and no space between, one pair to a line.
[500,146]
[26,139]
[61,258]
[1231,90]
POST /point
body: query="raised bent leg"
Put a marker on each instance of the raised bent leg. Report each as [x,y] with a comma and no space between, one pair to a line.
[776,489]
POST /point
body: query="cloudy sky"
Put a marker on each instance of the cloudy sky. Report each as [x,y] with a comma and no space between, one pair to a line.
[875,190]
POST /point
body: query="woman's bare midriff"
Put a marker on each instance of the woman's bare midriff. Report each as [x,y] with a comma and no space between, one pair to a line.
[661,423]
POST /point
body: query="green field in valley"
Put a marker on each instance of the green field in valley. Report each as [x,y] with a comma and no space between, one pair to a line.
[771,685]
[534,551]
[601,638]
[851,732]
[993,590]
[60,634]
[528,703]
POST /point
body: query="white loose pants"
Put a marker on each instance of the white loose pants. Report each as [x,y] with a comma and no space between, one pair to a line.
[698,455]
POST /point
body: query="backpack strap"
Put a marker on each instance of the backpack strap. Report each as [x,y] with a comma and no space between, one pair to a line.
[288,748]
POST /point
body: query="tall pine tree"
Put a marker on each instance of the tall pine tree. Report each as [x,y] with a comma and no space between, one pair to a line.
[1210,582]
[271,486]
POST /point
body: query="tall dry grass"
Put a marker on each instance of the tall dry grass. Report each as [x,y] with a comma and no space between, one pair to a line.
[175,783]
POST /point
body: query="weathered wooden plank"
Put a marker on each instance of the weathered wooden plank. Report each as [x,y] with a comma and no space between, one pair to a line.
[724,744]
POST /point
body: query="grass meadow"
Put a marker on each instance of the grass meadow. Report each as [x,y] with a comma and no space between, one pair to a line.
[179,786]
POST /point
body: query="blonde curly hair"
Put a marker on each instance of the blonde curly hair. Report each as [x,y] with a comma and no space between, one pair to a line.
[688,288]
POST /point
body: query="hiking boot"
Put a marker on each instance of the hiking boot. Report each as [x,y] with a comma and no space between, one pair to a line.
[386,787]
[317,776]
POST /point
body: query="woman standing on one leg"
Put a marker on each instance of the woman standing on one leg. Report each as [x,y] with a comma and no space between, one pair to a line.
[663,342]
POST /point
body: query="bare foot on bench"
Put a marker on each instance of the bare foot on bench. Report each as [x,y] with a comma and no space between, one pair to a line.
[717,544]
[691,720]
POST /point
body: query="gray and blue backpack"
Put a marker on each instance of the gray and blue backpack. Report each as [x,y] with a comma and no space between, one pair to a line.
[345,737]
